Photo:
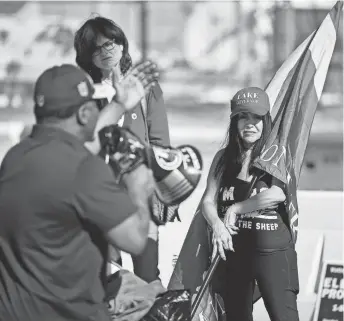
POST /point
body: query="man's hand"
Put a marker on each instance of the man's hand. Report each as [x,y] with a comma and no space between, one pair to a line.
[129,93]
[136,84]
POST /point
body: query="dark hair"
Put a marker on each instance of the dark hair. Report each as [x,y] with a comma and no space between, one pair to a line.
[85,44]
[230,162]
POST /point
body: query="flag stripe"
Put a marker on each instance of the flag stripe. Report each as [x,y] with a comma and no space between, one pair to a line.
[303,122]
[322,48]
[302,118]
[335,13]
[284,72]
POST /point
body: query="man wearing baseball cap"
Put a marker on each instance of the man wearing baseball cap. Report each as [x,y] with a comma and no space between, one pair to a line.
[59,203]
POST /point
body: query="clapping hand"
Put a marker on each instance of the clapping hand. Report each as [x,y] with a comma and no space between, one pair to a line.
[129,92]
[136,84]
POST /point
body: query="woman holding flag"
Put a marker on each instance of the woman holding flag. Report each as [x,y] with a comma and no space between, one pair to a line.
[245,209]
[294,93]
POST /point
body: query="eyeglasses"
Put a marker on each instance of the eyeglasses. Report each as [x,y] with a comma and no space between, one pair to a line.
[108,46]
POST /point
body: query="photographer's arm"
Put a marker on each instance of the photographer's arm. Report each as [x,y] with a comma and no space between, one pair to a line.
[111,114]
[132,234]
[123,216]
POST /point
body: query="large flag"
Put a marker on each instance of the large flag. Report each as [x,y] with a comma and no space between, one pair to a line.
[294,93]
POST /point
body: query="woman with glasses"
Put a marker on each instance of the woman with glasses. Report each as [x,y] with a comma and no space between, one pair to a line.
[102,50]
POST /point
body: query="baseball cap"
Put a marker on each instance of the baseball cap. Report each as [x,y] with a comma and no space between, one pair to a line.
[65,86]
[252,99]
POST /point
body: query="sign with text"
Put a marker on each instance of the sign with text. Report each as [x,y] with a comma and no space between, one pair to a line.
[329,305]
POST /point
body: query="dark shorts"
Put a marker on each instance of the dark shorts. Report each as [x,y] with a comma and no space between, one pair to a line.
[146,264]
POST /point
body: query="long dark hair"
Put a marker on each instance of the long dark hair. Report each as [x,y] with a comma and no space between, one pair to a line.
[85,44]
[230,161]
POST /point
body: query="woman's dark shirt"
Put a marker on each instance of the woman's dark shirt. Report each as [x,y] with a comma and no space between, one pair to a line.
[266,232]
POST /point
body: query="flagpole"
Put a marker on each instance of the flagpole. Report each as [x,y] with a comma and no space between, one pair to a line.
[212,268]
[205,283]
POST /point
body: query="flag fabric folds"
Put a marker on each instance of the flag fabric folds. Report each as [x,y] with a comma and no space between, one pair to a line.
[294,93]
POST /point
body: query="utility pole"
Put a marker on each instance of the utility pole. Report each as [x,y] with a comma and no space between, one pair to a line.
[284,32]
[144,28]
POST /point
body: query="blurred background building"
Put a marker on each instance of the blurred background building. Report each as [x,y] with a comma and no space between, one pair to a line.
[206,51]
